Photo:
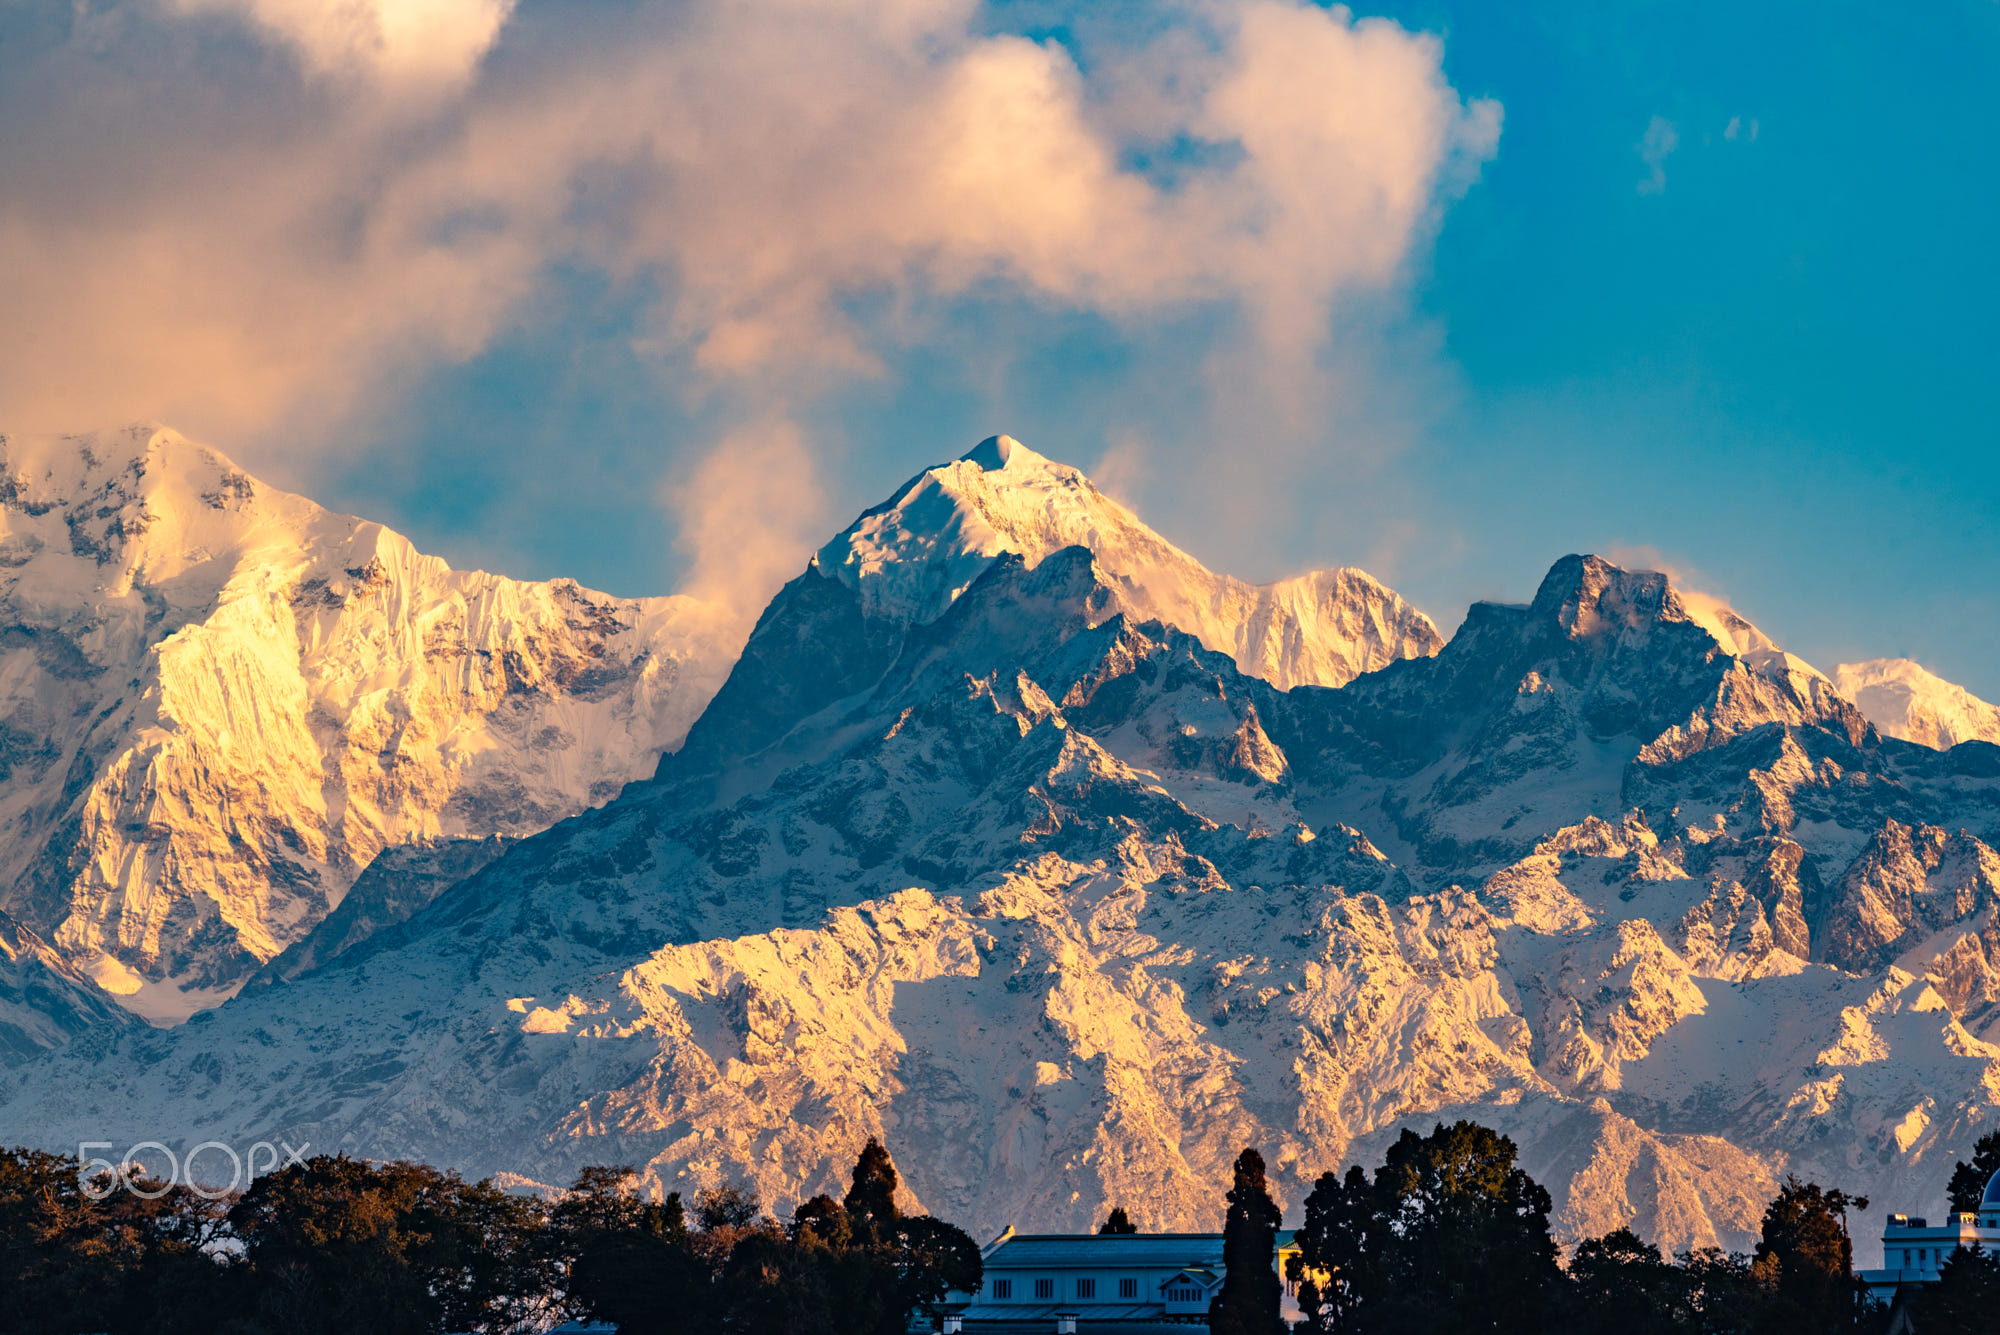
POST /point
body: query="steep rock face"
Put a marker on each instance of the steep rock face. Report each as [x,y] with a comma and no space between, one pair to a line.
[219,702]
[1907,883]
[401,880]
[1904,700]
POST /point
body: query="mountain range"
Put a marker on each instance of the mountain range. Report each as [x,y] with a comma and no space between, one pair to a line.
[1015,837]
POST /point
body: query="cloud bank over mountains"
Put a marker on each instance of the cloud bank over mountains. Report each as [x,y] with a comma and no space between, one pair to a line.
[233,214]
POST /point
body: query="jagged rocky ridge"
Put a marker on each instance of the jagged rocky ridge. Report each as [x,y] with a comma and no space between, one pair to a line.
[1068,908]
[219,703]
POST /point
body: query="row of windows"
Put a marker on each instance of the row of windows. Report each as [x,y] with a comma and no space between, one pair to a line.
[1046,1288]
[1925,1257]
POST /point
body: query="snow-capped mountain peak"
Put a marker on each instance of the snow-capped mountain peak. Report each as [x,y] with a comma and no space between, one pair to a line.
[219,701]
[1904,700]
[909,558]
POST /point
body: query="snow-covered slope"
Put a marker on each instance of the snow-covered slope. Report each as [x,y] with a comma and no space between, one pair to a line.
[1068,908]
[219,702]
[1905,701]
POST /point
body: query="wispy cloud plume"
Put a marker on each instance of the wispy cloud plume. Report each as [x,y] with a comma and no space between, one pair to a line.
[1655,147]
[746,514]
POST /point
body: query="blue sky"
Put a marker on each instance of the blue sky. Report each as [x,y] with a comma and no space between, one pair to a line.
[1719,296]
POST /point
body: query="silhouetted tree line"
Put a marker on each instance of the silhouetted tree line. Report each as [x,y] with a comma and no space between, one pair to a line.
[1448,1235]
[341,1245]
[1451,1235]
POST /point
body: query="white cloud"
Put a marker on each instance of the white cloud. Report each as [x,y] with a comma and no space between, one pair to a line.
[768,160]
[410,44]
[747,515]
[1658,143]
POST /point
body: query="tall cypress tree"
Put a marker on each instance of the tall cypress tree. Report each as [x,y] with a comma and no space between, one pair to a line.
[871,1201]
[1248,1303]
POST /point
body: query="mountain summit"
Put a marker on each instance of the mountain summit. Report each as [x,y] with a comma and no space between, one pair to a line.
[832,633]
[908,558]
[219,702]
[1904,700]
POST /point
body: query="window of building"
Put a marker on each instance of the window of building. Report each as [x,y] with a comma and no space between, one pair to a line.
[1906,1258]
[1086,1288]
[1128,1288]
[1045,1288]
[1004,1288]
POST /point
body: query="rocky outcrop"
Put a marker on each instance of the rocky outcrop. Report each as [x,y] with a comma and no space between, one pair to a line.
[1908,883]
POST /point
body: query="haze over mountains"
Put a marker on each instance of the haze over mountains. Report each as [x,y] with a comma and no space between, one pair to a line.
[1014,836]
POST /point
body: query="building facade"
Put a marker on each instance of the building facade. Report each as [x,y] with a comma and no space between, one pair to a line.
[1099,1283]
[1914,1249]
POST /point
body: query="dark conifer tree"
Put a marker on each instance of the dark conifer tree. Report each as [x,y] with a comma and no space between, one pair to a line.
[1622,1285]
[871,1201]
[1805,1259]
[1336,1266]
[630,1261]
[824,1219]
[1118,1222]
[1248,1302]
[1451,1235]
[1968,1180]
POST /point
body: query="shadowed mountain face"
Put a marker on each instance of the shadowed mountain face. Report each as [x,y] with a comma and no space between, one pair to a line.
[1050,894]
[44,1002]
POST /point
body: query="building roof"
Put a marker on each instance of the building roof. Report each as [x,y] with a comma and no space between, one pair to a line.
[1991,1200]
[1108,1249]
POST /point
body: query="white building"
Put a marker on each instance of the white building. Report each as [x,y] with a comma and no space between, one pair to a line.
[1913,1249]
[1099,1283]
